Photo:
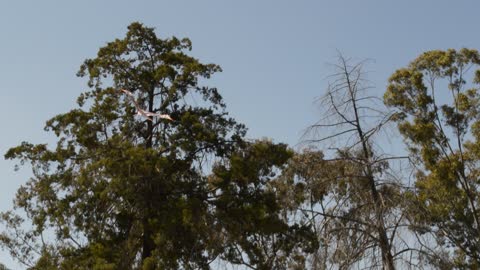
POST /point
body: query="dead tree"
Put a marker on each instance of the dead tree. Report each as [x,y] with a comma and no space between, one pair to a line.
[358,177]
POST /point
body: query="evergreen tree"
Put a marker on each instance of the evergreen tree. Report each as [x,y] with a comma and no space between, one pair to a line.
[120,191]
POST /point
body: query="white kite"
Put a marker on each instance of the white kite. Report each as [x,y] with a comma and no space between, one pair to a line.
[144,113]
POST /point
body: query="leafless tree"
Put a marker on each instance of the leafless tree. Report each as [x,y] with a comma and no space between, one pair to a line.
[360,207]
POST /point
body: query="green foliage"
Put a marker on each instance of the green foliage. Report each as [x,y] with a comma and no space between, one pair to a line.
[120,192]
[440,125]
[248,209]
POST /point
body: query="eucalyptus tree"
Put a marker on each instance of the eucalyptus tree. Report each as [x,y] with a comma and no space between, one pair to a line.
[437,101]
[123,192]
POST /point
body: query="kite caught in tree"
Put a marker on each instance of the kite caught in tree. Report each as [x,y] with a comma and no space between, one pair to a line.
[142,112]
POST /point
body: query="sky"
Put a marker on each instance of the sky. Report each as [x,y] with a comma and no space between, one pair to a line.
[275,55]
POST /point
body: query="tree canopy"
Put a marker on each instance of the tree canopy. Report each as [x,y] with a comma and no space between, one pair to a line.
[438,114]
[123,192]
[123,188]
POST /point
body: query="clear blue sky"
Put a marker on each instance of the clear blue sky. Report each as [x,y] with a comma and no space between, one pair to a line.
[274,54]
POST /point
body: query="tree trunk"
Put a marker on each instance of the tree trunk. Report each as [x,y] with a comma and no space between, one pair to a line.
[148,244]
[387,258]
